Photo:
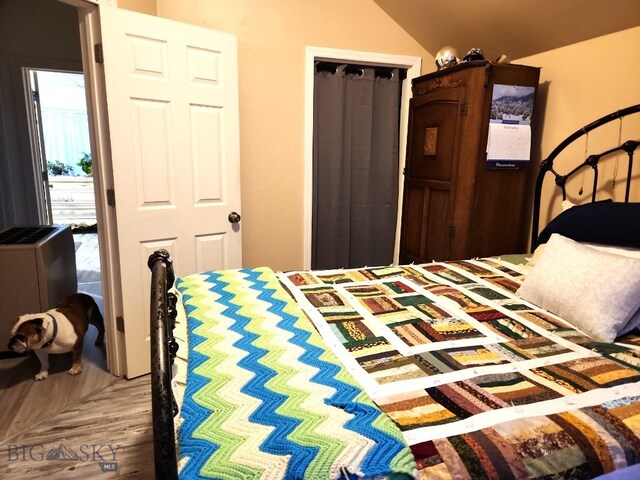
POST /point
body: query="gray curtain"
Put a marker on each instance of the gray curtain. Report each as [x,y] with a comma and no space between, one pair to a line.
[355,167]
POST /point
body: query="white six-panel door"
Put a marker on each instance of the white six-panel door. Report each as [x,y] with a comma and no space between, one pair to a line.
[172,101]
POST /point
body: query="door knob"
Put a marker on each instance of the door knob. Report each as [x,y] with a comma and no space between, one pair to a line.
[234,217]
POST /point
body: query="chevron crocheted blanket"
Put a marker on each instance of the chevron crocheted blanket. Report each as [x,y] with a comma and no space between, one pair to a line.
[265,398]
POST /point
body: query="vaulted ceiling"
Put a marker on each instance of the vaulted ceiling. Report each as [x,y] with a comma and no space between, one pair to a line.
[516,28]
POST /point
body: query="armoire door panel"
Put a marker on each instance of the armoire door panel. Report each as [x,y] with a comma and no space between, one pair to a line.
[425,215]
[436,245]
[414,199]
[433,140]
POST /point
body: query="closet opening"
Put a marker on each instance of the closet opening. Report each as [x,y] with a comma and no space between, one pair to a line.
[356,163]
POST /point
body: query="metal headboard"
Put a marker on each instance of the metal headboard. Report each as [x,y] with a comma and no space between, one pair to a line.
[546,166]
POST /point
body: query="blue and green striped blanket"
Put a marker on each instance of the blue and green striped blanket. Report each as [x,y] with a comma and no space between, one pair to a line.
[265,398]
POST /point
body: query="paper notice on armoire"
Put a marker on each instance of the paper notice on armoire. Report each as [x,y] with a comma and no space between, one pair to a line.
[509,142]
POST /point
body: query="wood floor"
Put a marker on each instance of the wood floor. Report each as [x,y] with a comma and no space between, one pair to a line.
[93,425]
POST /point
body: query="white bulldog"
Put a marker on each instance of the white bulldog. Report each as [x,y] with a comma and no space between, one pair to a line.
[58,330]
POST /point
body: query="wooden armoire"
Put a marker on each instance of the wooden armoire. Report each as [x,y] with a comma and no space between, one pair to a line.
[456,205]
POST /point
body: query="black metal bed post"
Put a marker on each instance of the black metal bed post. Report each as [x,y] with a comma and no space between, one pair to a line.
[162,403]
[547,164]
[630,148]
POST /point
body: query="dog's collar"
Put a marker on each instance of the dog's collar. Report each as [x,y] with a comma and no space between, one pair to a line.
[55,331]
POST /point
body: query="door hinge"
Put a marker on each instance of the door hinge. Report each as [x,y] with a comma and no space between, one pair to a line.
[464,109]
[97,53]
[452,231]
[120,324]
[111,197]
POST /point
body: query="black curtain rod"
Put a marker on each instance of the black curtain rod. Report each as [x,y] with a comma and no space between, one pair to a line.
[355,69]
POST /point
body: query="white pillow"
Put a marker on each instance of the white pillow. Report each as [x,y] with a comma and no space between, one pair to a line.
[624,251]
[631,324]
[598,292]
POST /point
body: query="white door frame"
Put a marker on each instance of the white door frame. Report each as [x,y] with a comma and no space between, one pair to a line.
[38,152]
[314,54]
[89,24]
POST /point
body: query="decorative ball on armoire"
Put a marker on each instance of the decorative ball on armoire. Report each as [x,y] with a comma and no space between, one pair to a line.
[446,57]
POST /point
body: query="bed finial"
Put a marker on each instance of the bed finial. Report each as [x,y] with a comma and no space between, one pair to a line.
[162,256]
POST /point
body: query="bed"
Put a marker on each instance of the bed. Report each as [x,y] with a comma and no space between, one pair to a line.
[508,367]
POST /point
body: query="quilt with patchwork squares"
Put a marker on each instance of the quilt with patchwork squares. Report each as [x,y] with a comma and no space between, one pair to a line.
[481,383]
